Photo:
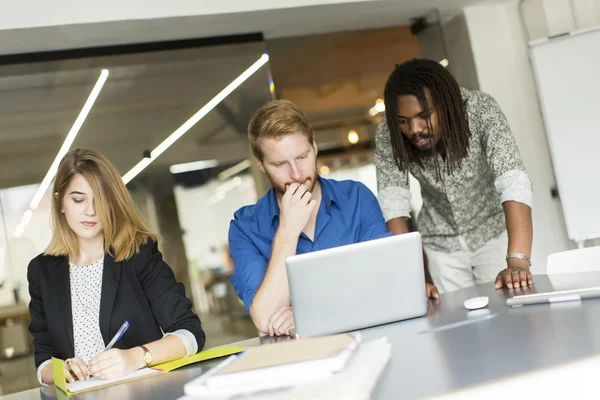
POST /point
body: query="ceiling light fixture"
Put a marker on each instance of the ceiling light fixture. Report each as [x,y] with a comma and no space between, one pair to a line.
[193,166]
[236,169]
[39,194]
[173,137]
[353,137]
[444,62]
[24,221]
[379,107]
[69,139]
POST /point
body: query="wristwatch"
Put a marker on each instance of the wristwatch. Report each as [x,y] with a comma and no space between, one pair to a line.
[147,355]
[519,255]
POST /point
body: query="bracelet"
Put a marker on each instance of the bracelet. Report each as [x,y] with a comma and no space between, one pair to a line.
[519,255]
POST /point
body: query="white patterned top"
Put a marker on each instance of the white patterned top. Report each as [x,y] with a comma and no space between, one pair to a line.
[464,210]
[86,290]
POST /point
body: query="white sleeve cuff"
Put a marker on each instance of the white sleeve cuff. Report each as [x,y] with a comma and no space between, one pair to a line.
[39,371]
[188,339]
[394,202]
[514,185]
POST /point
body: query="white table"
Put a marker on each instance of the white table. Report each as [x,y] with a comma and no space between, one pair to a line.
[450,348]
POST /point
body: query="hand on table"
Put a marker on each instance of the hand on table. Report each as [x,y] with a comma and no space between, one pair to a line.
[514,276]
[281,322]
[75,369]
[115,362]
[431,291]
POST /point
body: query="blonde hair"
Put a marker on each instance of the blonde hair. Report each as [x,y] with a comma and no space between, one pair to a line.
[276,119]
[124,230]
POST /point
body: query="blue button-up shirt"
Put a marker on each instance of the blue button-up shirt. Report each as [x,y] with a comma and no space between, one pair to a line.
[348,213]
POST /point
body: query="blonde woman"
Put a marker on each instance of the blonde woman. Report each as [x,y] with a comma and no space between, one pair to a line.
[103,268]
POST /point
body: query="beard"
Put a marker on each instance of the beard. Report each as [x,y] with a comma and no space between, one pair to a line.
[308,181]
[428,152]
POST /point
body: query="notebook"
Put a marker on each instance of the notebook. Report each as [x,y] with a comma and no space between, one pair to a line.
[96,383]
[356,381]
[277,364]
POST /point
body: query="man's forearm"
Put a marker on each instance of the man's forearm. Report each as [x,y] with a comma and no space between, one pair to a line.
[520,230]
[397,225]
[274,291]
[428,278]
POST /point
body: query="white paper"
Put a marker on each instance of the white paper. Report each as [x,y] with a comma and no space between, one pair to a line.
[94,381]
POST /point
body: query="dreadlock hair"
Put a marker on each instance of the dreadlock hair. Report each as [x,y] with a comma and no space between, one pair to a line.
[413,78]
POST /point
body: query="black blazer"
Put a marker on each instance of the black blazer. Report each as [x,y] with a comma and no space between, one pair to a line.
[142,290]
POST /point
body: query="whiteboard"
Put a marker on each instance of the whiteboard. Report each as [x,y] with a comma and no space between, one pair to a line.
[567,73]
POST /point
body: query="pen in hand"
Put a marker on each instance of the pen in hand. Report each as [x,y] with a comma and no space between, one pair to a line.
[117,336]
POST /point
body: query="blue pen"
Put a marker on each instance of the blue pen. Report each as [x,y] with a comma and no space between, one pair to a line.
[118,335]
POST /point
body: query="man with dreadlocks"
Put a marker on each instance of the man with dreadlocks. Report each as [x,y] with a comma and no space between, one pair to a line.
[476,217]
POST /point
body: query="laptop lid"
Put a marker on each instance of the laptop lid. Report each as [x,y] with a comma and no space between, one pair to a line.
[357,286]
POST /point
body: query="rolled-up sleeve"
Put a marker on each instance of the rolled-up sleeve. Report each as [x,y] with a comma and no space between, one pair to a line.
[510,176]
[515,186]
[39,372]
[392,184]
[249,265]
[188,339]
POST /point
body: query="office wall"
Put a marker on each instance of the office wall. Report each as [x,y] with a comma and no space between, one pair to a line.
[544,18]
[204,215]
[501,58]
[586,13]
[17,252]
[460,53]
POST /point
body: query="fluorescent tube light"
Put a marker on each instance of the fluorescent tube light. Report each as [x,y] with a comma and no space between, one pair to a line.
[236,169]
[69,140]
[39,194]
[173,137]
[193,166]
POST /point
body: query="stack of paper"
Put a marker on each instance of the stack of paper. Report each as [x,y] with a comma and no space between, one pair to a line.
[354,380]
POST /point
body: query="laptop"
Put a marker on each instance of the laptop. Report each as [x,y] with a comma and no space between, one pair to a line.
[357,286]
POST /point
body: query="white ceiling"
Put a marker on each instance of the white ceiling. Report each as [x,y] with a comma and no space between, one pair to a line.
[277,23]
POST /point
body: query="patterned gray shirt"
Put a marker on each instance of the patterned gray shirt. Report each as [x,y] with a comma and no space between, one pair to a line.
[464,210]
